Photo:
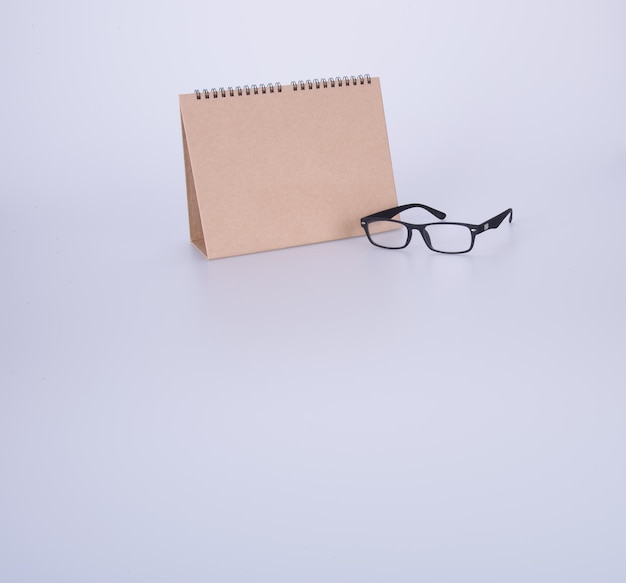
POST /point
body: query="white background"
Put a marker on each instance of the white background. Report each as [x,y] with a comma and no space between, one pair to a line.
[332,412]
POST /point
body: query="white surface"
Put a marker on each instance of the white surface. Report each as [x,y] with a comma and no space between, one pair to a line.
[324,413]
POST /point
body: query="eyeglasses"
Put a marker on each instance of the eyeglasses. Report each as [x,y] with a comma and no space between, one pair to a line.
[384,231]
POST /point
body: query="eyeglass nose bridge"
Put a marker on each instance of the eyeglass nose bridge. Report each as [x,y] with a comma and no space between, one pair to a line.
[425,236]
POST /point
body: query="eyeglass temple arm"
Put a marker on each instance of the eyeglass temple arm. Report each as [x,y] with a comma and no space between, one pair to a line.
[390,213]
[495,222]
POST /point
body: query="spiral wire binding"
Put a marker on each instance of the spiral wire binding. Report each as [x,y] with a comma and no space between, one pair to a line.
[332,81]
[239,91]
[277,87]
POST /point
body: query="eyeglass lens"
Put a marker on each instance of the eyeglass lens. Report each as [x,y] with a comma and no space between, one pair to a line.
[388,234]
[449,238]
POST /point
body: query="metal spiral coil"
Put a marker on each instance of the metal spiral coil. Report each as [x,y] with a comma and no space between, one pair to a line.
[332,82]
[263,89]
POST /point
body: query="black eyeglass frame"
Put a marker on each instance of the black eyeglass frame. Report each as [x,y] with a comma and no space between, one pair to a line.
[387,215]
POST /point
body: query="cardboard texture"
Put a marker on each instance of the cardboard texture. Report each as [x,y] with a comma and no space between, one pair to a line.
[268,170]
